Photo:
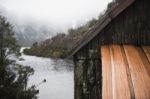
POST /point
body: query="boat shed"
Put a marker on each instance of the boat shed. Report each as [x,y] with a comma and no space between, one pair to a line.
[112,61]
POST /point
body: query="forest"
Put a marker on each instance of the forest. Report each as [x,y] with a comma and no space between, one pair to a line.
[59,45]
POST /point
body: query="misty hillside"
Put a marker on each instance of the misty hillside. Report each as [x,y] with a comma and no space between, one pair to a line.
[27,35]
[31,32]
[41,22]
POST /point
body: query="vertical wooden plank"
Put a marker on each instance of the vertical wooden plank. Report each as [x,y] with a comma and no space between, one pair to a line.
[113,75]
[144,56]
[106,73]
[128,73]
[122,88]
[140,78]
[147,51]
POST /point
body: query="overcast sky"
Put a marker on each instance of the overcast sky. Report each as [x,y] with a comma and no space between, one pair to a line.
[56,13]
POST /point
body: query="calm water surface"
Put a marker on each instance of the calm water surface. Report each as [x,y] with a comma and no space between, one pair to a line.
[58,75]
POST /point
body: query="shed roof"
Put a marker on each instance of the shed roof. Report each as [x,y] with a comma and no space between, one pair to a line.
[100,25]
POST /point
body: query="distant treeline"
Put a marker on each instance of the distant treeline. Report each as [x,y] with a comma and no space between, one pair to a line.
[59,45]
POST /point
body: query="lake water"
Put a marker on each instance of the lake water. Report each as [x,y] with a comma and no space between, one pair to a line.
[58,74]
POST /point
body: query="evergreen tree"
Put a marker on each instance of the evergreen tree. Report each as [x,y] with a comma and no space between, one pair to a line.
[13,77]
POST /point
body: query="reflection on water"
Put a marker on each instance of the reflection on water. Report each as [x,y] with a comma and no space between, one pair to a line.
[58,75]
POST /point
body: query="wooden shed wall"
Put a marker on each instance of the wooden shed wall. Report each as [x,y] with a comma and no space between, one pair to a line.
[88,72]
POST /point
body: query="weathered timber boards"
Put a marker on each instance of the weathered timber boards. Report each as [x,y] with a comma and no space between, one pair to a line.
[140,77]
[121,79]
[118,9]
[106,73]
[146,61]
[147,51]
[125,72]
